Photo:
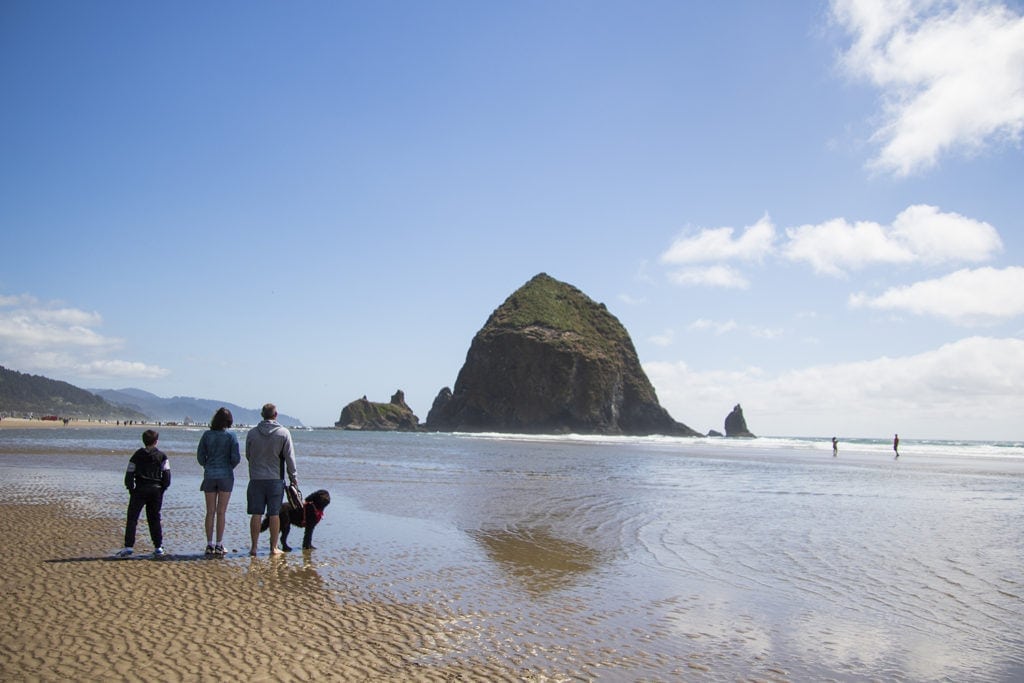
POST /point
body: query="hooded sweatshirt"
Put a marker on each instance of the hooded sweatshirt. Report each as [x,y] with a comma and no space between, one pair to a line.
[148,469]
[266,445]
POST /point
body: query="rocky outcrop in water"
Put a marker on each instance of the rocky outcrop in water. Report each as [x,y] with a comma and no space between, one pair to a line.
[551,360]
[736,425]
[365,415]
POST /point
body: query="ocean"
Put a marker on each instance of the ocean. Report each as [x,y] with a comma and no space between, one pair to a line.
[628,558]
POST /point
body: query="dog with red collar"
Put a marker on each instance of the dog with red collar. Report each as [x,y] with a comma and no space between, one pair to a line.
[305,516]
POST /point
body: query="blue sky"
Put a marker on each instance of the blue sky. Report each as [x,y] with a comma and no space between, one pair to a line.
[812,209]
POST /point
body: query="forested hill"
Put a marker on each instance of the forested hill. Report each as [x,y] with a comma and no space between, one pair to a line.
[186,408]
[23,395]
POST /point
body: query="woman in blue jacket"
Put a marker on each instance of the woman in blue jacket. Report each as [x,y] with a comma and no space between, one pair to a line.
[219,454]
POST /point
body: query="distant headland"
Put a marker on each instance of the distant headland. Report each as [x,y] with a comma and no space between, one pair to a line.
[35,397]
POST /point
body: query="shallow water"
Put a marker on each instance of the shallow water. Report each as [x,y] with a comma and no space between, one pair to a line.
[628,559]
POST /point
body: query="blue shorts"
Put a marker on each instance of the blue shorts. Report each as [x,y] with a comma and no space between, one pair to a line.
[264,496]
[224,484]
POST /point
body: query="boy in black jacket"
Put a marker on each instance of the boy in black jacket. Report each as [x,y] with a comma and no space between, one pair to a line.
[147,477]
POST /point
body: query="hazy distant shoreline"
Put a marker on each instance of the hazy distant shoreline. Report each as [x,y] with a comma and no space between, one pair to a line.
[26,423]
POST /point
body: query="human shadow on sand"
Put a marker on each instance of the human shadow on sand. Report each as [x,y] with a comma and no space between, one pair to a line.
[167,557]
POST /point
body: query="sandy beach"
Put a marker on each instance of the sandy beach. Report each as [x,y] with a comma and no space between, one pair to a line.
[25,423]
[450,557]
[72,613]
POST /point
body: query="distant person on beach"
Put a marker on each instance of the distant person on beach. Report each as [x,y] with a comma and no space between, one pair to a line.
[147,477]
[219,454]
[269,450]
[896,444]
[835,446]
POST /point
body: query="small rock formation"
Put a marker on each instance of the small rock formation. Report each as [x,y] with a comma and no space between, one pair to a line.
[365,415]
[551,360]
[714,432]
[440,401]
[735,425]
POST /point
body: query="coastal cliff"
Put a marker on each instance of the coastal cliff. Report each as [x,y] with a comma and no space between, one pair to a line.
[366,415]
[551,360]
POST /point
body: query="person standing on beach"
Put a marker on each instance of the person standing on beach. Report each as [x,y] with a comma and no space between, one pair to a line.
[896,445]
[269,450]
[219,454]
[147,477]
[835,446]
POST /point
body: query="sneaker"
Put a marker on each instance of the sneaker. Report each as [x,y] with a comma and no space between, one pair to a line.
[218,550]
[159,552]
[124,552]
[209,550]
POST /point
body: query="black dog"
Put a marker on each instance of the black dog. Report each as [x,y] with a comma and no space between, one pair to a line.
[307,517]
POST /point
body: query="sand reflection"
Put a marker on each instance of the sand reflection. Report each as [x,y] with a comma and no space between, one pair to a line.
[537,559]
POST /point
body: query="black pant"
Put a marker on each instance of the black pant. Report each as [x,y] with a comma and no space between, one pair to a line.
[152,498]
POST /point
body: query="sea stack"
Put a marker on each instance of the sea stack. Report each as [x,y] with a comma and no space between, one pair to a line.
[736,425]
[366,415]
[551,360]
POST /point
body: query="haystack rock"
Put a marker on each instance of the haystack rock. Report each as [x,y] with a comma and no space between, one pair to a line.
[551,360]
[365,415]
[735,425]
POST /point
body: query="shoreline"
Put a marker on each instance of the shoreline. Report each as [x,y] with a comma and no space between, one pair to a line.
[37,423]
[75,613]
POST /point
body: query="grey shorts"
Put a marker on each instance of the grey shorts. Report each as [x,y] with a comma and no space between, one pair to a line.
[264,496]
[225,484]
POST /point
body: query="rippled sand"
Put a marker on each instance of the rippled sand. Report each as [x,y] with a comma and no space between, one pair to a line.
[72,614]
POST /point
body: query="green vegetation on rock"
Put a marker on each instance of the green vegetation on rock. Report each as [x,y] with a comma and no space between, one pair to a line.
[552,360]
[561,314]
[363,414]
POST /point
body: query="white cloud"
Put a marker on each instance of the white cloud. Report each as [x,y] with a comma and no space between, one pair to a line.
[724,327]
[16,300]
[701,400]
[702,324]
[717,244]
[920,233]
[982,295]
[711,276]
[951,75]
[835,246]
[42,328]
[121,368]
[936,237]
[664,339]
[68,316]
[765,332]
[45,338]
[966,389]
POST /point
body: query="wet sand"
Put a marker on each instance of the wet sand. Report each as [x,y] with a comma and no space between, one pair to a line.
[73,614]
[443,557]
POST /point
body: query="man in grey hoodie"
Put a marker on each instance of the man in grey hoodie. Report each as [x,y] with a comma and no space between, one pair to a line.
[269,450]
